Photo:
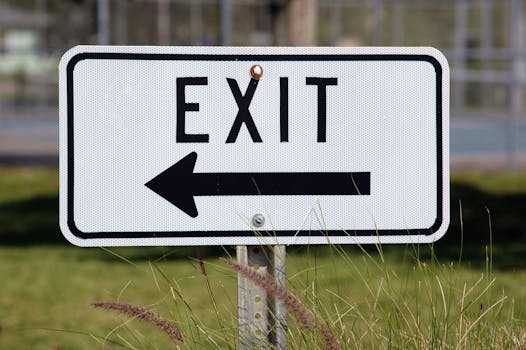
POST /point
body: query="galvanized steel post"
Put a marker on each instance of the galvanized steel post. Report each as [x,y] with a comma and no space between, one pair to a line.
[262,318]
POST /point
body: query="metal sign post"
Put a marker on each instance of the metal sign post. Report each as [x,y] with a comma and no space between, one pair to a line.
[262,318]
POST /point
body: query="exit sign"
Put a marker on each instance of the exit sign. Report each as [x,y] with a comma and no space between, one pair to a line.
[247,145]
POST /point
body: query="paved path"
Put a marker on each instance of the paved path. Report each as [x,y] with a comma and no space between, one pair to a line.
[29,142]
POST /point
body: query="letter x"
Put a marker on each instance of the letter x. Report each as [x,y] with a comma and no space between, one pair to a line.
[243,115]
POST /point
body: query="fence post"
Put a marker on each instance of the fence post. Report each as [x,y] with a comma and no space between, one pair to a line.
[516,79]
[461,13]
[226,22]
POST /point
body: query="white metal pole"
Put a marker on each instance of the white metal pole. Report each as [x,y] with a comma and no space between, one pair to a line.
[486,30]
[103,22]
[461,13]
[226,22]
[517,73]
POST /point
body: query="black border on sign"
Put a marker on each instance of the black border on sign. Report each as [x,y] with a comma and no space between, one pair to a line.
[257,57]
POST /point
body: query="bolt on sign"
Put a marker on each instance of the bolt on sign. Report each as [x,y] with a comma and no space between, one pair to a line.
[248,145]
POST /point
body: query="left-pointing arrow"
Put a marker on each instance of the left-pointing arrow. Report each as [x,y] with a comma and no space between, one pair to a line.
[179,184]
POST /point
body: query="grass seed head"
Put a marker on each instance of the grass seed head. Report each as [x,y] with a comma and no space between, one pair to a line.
[169,328]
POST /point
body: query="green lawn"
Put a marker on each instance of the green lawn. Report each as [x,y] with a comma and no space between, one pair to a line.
[51,287]
[409,300]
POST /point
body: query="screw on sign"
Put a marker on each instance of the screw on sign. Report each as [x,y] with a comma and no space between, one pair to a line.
[258,220]
[256,71]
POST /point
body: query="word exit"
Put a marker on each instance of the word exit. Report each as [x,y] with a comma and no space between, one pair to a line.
[243,101]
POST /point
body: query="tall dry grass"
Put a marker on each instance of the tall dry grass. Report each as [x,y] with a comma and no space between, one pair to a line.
[348,299]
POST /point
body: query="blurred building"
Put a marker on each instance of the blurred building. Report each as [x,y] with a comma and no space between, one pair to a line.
[484,41]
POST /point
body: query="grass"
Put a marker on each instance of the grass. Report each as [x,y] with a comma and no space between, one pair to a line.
[51,287]
[367,303]
[398,299]
[420,305]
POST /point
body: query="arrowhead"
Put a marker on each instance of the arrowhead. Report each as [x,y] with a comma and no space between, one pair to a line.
[176,184]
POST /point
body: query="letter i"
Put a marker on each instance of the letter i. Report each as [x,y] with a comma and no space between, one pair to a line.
[284,109]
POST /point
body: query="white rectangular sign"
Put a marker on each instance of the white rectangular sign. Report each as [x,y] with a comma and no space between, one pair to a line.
[247,145]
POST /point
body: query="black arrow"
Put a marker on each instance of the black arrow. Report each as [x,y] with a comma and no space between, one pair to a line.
[179,184]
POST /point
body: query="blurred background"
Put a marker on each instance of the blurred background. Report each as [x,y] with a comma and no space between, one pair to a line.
[484,41]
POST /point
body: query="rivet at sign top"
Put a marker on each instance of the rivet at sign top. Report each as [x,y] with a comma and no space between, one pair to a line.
[258,220]
[256,71]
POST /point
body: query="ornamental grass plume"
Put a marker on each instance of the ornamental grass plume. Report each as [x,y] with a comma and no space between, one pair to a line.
[305,318]
[327,336]
[169,328]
